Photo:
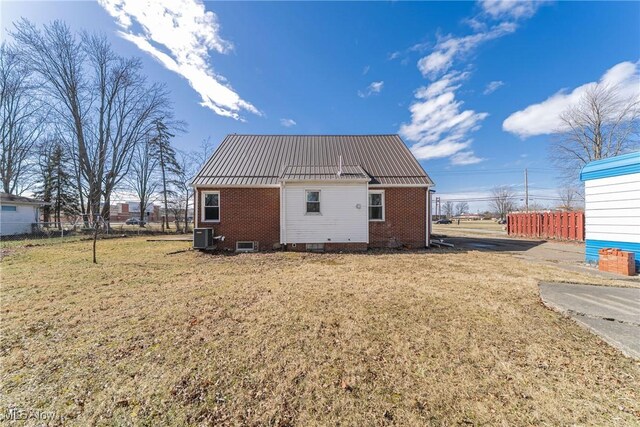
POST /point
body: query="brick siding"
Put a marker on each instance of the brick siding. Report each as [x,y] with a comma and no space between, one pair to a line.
[246,214]
[253,214]
[405,219]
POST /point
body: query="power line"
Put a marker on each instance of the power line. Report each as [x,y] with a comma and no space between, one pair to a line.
[487,171]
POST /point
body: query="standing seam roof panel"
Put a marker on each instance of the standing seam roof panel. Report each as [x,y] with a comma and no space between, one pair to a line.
[260,159]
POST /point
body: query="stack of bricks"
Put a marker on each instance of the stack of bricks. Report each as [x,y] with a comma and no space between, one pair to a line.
[617,261]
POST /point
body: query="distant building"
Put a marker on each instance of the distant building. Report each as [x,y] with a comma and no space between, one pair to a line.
[18,215]
[124,211]
[469,217]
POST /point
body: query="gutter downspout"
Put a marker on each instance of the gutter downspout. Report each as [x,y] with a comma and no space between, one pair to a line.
[429,218]
[283,215]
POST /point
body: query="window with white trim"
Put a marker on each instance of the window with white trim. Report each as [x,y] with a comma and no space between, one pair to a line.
[211,206]
[246,246]
[9,208]
[313,202]
[376,206]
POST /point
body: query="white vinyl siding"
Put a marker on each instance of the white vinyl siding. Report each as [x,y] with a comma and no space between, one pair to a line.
[612,208]
[17,219]
[343,214]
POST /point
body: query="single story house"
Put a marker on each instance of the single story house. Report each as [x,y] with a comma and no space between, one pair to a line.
[314,192]
[612,205]
[18,214]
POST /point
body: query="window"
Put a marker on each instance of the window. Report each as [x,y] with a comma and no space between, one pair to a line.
[315,247]
[313,201]
[9,208]
[211,206]
[376,206]
[246,246]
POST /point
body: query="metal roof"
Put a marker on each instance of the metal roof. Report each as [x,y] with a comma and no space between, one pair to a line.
[611,166]
[257,160]
[324,173]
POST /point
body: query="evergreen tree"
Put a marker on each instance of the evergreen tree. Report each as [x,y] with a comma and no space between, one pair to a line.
[169,167]
[57,187]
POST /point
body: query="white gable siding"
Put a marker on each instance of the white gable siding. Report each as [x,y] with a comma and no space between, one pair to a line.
[612,207]
[18,221]
[340,220]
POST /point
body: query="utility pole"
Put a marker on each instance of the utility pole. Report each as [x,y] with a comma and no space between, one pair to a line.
[438,207]
[526,190]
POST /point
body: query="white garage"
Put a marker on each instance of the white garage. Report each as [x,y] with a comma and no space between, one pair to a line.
[612,205]
[18,214]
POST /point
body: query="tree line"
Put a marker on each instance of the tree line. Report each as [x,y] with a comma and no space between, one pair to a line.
[80,123]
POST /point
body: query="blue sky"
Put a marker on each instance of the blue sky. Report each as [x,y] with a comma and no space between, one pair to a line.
[473,88]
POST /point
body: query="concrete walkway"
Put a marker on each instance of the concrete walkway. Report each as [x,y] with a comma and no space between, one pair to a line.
[610,312]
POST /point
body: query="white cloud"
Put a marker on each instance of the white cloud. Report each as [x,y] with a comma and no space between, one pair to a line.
[180,34]
[465,158]
[449,48]
[544,118]
[288,122]
[500,9]
[373,88]
[493,86]
[365,70]
[438,127]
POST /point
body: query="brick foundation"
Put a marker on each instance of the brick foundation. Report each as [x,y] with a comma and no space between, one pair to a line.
[331,247]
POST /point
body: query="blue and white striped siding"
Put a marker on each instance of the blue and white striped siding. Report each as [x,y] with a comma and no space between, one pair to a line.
[612,214]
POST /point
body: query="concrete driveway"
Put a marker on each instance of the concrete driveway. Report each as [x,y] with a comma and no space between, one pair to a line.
[566,255]
[610,312]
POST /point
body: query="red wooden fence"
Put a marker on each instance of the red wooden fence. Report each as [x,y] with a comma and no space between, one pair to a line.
[547,225]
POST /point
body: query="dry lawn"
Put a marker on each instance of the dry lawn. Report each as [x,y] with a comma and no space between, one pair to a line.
[151,337]
[472,228]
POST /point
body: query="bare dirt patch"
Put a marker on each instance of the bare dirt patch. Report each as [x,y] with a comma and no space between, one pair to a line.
[433,337]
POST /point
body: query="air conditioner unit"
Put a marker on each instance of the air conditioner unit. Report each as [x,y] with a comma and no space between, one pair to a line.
[202,238]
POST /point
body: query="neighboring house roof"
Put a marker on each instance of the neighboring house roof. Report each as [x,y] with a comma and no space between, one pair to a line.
[19,200]
[254,160]
[611,166]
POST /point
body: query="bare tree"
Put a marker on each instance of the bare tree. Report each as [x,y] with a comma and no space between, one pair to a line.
[503,200]
[570,198]
[101,101]
[188,166]
[536,205]
[448,209]
[143,176]
[21,121]
[605,122]
[461,208]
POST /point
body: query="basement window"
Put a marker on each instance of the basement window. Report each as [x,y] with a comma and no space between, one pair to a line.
[211,206]
[246,246]
[315,247]
[376,206]
[313,202]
